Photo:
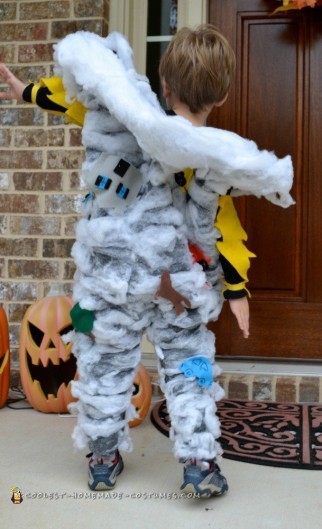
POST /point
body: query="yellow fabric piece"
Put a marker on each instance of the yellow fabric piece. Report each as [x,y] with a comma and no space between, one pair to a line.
[34,91]
[54,84]
[75,111]
[188,174]
[233,235]
[283,8]
[236,287]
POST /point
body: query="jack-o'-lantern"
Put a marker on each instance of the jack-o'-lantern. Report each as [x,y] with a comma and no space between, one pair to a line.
[142,395]
[47,365]
[4,358]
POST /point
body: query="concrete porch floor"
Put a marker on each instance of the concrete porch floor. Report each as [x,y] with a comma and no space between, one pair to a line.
[38,457]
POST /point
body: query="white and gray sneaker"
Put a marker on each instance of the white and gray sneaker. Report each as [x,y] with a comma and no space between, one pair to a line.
[204,479]
[103,471]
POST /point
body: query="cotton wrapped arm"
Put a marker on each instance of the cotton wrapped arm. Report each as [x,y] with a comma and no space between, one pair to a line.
[89,68]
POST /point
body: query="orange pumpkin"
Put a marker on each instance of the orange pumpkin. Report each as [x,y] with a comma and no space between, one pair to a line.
[4,358]
[142,395]
[47,365]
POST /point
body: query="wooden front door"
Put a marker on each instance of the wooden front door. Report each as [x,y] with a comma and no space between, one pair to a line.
[277,101]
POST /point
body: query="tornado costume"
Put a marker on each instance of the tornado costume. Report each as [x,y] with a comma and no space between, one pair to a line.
[135,272]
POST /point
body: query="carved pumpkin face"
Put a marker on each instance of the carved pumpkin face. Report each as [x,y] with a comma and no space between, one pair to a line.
[142,395]
[47,365]
[4,358]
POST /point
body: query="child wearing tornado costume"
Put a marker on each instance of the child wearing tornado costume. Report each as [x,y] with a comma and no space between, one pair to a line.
[160,187]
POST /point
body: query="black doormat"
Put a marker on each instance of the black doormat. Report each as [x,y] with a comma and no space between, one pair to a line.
[265,433]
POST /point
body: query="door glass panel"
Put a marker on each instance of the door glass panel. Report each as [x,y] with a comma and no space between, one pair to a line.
[162,17]
[161,25]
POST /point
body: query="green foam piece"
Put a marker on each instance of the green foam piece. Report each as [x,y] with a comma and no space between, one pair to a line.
[82,319]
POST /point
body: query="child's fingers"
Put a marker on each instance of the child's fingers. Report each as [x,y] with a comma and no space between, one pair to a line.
[15,86]
[5,77]
[6,95]
[240,309]
[5,72]
[243,324]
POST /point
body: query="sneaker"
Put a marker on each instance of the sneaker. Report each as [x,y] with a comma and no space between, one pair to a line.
[102,471]
[205,482]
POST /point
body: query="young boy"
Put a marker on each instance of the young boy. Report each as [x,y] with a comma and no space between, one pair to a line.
[196,72]
[134,268]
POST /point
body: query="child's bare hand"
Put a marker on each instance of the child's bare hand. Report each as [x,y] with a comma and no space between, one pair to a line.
[16,87]
[240,309]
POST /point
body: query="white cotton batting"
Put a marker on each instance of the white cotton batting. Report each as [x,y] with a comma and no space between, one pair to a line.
[120,253]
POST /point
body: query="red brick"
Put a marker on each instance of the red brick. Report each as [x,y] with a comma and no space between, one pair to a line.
[14,331]
[20,159]
[60,29]
[2,267]
[4,181]
[23,32]
[7,53]
[18,247]
[69,270]
[17,311]
[57,247]
[262,388]
[285,389]
[19,203]
[38,181]
[40,225]
[88,8]
[75,137]
[69,226]
[3,224]
[54,120]
[309,389]
[5,137]
[42,179]
[39,138]
[62,204]
[15,381]
[75,182]
[18,291]
[65,159]
[238,387]
[35,53]
[44,10]
[21,117]
[29,73]
[8,11]
[33,269]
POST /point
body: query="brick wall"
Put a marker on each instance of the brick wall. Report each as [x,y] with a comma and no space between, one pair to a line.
[269,388]
[278,388]
[40,158]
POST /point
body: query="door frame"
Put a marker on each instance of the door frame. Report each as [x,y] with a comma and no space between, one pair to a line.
[130,18]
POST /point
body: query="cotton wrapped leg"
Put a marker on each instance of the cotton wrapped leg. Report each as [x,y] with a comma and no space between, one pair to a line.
[194,424]
[106,368]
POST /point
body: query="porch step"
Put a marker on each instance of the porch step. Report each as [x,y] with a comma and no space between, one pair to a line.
[266,381]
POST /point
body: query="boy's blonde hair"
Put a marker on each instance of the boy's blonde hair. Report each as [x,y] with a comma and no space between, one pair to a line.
[198,66]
